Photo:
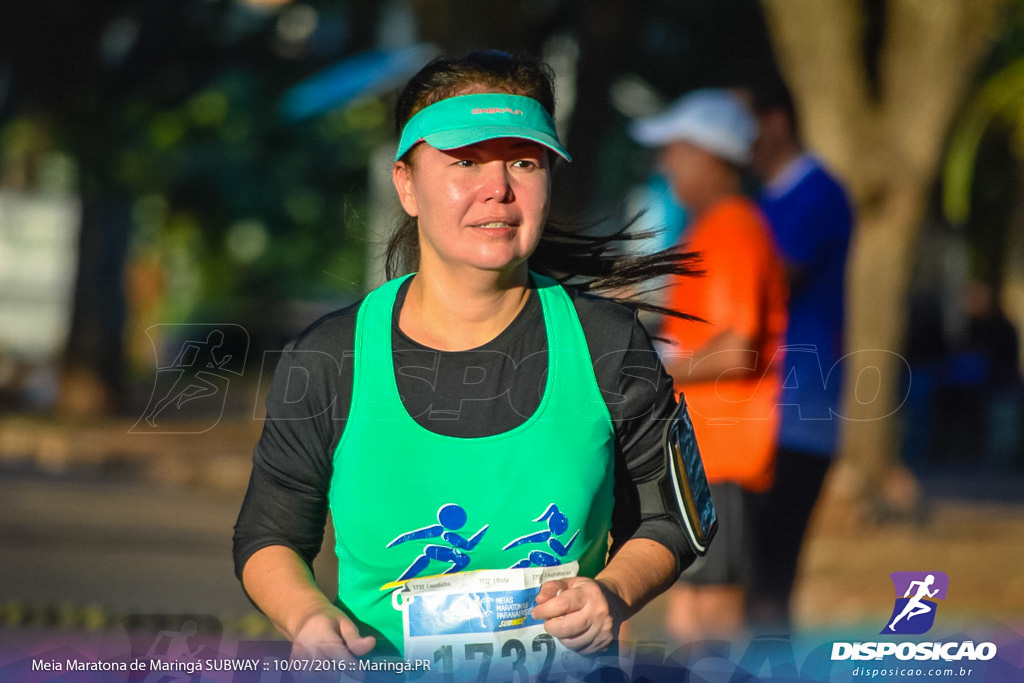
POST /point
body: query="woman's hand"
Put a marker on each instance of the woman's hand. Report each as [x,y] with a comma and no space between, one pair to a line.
[584,614]
[281,584]
[325,632]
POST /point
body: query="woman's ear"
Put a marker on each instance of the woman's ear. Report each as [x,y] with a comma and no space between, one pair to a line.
[401,176]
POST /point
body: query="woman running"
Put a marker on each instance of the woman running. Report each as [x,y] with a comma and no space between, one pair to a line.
[440,415]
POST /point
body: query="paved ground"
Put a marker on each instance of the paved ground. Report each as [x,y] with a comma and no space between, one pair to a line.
[127,546]
[95,517]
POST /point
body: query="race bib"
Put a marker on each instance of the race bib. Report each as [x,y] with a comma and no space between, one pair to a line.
[477,626]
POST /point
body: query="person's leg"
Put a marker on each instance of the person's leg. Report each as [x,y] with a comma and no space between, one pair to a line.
[704,612]
[782,516]
[709,601]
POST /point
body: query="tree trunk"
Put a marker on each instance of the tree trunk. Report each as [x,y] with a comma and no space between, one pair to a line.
[1011,298]
[92,380]
[880,119]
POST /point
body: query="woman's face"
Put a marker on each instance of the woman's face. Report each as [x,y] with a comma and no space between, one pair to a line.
[483,205]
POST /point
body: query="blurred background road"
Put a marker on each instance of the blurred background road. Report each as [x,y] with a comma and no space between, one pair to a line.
[120,531]
[129,546]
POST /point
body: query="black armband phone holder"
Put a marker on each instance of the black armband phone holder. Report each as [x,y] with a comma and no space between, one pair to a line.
[687,482]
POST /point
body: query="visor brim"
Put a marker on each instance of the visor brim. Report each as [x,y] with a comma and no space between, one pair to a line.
[453,139]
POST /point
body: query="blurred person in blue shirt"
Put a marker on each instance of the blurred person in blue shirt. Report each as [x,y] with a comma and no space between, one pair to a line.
[810,215]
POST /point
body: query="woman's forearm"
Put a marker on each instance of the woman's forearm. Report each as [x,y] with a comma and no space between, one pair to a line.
[639,571]
[282,586]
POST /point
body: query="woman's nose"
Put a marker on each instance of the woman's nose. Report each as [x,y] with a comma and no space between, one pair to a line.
[497,185]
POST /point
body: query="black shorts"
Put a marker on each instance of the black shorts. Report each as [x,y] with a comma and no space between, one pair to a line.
[730,559]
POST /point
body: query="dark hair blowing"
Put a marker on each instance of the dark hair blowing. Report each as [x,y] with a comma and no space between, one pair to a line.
[565,252]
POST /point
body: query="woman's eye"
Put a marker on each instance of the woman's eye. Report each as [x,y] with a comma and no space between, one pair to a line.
[524,163]
[464,163]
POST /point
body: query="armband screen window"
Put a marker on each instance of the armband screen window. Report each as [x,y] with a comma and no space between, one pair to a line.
[692,491]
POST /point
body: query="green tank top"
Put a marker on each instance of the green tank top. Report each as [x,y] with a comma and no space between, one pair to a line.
[409,503]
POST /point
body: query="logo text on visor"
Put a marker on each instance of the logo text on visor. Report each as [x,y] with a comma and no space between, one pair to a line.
[498,110]
[468,119]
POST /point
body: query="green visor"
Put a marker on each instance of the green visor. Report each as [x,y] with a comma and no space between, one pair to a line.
[468,119]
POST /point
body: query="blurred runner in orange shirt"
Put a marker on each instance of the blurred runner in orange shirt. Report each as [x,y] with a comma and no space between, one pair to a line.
[729,367]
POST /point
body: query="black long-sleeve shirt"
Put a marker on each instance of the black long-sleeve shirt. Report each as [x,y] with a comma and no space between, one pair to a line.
[468,394]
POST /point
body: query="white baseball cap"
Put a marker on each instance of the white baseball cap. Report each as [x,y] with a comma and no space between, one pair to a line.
[712,119]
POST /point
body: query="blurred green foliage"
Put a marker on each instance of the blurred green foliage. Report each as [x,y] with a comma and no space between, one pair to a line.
[251,206]
[983,168]
[171,109]
[163,118]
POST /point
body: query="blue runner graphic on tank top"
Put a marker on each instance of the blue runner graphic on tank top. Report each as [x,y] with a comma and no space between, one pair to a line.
[451,518]
[558,524]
